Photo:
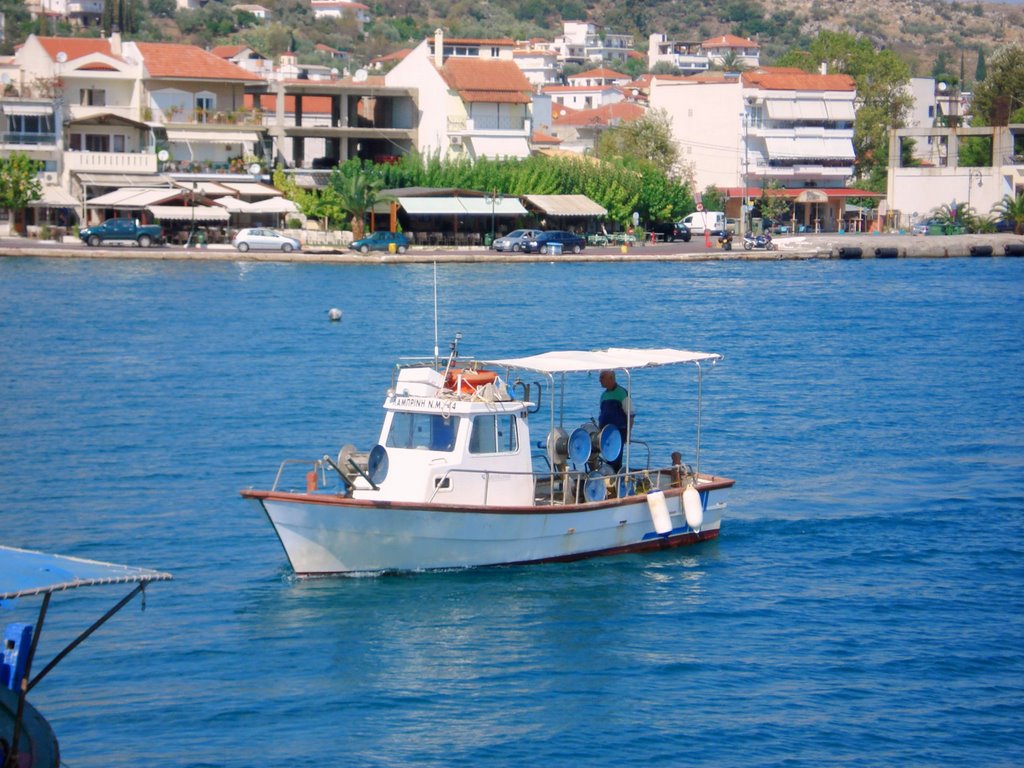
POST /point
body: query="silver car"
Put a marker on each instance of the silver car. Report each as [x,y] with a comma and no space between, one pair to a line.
[514,240]
[262,239]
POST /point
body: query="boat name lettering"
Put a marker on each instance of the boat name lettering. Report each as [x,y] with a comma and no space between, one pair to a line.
[434,403]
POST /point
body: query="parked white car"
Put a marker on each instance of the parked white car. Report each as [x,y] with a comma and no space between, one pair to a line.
[262,239]
[515,240]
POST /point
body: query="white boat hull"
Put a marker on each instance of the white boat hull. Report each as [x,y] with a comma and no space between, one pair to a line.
[325,534]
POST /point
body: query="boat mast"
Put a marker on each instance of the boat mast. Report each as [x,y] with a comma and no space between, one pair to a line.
[437,350]
[700,397]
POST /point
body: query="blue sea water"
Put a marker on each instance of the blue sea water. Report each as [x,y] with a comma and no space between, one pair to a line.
[864,605]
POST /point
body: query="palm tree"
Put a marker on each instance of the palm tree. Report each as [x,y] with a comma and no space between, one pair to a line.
[1011,209]
[352,194]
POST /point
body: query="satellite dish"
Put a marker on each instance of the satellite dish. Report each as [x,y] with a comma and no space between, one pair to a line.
[360,76]
[61,57]
[255,169]
[162,155]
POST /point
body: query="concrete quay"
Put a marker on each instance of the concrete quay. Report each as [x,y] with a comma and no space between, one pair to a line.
[790,247]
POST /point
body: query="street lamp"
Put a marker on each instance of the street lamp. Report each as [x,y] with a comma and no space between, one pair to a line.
[494,199]
[745,198]
[973,174]
[192,231]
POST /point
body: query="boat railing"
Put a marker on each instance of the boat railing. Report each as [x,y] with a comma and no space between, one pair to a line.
[315,465]
[567,486]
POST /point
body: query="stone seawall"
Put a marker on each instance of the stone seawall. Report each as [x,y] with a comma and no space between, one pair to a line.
[823,246]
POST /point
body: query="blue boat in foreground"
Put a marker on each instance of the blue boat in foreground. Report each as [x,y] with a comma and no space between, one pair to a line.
[26,738]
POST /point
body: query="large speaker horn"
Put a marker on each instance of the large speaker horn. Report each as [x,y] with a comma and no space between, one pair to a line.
[611,443]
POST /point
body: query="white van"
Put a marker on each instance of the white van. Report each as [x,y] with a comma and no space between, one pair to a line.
[712,221]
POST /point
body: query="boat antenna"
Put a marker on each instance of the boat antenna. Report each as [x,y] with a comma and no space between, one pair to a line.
[453,355]
[437,351]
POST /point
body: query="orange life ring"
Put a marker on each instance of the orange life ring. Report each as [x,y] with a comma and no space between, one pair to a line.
[471,379]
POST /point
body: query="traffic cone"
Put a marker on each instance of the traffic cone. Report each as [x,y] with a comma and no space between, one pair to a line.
[707,238]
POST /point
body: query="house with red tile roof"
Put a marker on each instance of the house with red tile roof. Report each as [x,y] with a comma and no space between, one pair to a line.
[719,49]
[580,129]
[196,101]
[386,62]
[470,105]
[767,125]
[88,102]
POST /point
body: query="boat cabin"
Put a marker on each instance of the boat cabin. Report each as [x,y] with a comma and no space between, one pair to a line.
[459,439]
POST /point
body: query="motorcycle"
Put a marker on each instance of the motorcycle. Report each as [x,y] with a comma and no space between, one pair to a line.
[725,241]
[760,241]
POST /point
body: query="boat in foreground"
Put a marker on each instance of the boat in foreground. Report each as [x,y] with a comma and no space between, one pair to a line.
[26,738]
[456,480]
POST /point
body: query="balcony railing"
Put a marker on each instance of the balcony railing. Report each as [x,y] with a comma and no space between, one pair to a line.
[488,124]
[111,162]
[29,139]
[212,117]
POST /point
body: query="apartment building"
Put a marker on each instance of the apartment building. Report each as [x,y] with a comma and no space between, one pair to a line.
[768,125]
[473,100]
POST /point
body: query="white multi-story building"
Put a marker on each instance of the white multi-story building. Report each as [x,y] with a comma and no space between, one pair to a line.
[767,125]
[686,56]
[585,42]
[914,191]
[540,66]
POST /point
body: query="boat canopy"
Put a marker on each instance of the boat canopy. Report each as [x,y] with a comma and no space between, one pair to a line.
[579,361]
[24,572]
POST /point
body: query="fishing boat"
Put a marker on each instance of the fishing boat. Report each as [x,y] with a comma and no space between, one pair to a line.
[26,738]
[456,480]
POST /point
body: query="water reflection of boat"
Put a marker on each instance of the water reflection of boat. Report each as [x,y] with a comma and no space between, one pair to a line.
[456,480]
[26,739]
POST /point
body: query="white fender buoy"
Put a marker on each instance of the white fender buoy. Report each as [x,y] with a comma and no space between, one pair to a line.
[659,511]
[693,508]
[334,314]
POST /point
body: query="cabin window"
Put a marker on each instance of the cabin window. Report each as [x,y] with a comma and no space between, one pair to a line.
[494,434]
[430,431]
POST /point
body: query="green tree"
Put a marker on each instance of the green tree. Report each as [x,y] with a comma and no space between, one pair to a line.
[712,199]
[19,182]
[648,139]
[773,204]
[881,79]
[1011,209]
[980,70]
[1001,93]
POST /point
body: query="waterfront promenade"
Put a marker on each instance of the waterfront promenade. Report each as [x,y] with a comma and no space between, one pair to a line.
[808,246]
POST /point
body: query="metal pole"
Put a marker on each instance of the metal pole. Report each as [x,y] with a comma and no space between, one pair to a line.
[746,172]
[700,396]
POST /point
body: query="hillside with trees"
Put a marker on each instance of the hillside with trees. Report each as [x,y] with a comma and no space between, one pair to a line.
[952,37]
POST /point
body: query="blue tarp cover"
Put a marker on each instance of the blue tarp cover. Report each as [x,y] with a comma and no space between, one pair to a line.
[23,573]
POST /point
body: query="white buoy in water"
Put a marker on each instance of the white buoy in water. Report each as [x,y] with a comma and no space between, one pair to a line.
[693,508]
[334,314]
[659,511]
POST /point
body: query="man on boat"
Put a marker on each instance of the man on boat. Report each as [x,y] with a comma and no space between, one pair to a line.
[616,409]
